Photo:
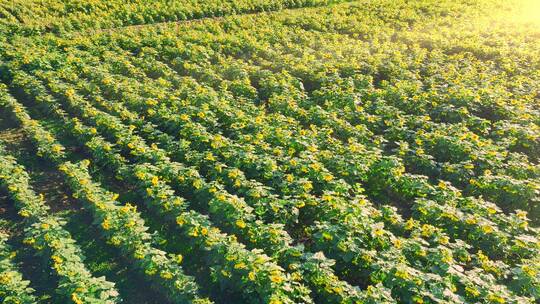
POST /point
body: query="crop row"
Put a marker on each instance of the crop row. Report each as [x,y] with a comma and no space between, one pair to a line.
[410,159]
[76,102]
[35,17]
[47,236]
[479,206]
[120,225]
[14,289]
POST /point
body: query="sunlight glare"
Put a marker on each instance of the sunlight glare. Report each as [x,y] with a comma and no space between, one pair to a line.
[529,12]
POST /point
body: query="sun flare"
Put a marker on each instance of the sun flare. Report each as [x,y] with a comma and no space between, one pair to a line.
[529,12]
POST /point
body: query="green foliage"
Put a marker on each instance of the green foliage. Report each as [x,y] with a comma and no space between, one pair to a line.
[14,289]
[360,152]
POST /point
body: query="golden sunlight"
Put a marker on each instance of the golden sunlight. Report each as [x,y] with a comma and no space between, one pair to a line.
[529,12]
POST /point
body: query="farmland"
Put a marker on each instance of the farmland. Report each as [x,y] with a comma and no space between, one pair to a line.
[249,151]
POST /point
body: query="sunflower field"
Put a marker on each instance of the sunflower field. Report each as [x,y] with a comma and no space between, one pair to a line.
[282,151]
